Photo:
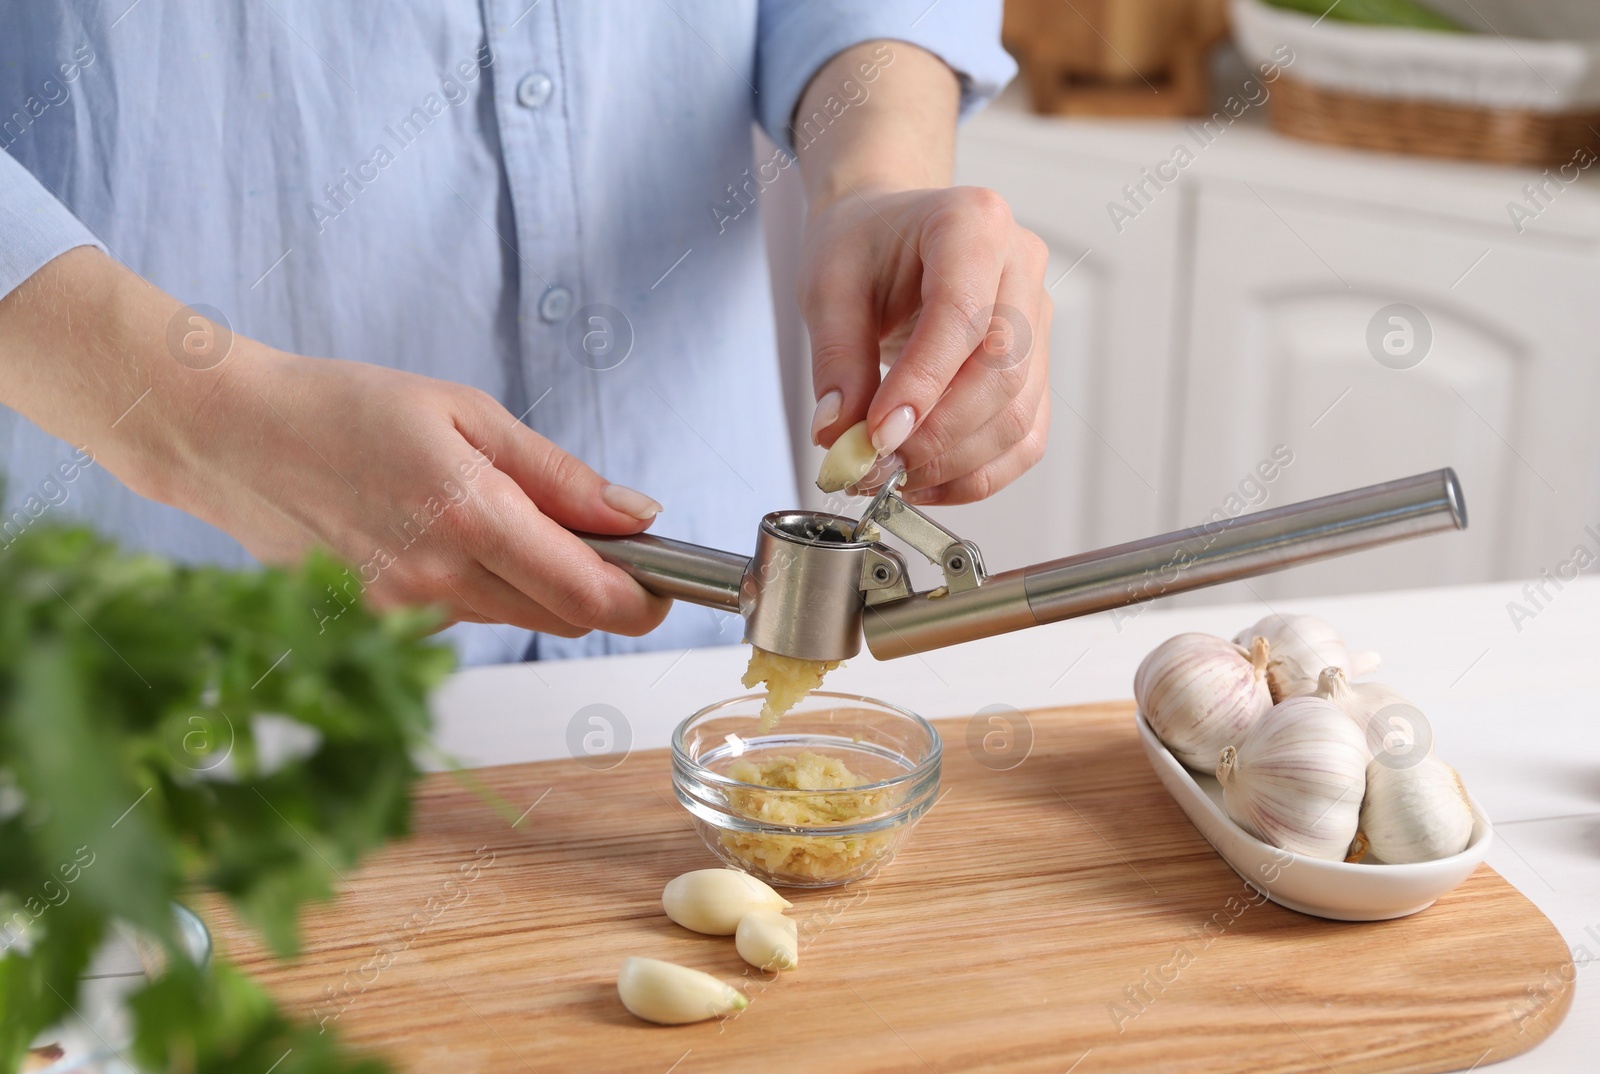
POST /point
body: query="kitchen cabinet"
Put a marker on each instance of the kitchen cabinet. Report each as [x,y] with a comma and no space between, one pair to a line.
[1278,353]
[1225,314]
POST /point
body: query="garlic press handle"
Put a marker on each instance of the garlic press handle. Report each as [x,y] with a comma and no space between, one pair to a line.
[676,569]
[1208,554]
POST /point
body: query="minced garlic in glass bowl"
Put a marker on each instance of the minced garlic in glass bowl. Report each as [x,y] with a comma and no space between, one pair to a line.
[813,856]
[826,799]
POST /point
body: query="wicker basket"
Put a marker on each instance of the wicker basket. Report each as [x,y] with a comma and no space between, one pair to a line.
[1430,128]
[1463,96]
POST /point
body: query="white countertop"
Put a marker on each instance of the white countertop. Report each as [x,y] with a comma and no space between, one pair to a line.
[1514,711]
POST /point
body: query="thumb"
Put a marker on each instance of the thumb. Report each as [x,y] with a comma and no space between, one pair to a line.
[560,485]
[843,326]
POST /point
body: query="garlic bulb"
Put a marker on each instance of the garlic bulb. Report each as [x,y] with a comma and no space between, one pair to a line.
[1387,721]
[1200,693]
[1420,813]
[673,995]
[768,940]
[849,459]
[713,900]
[1297,778]
[1302,645]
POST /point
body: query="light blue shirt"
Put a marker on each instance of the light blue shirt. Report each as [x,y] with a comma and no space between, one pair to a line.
[458,189]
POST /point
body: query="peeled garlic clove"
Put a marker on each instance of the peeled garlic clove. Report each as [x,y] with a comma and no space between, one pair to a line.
[672,995]
[713,900]
[1200,693]
[1297,778]
[1419,813]
[768,940]
[848,460]
[1302,645]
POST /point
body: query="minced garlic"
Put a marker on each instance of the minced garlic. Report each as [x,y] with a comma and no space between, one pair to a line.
[788,679]
[809,857]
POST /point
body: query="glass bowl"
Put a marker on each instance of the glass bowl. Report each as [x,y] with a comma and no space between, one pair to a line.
[825,798]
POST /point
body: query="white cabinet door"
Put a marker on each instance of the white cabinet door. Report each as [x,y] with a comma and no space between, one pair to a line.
[1290,317]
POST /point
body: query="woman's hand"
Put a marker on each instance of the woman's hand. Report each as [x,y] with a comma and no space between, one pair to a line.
[431,492]
[944,285]
[900,269]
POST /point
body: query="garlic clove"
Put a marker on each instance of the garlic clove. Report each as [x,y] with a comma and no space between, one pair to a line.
[768,940]
[1199,693]
[848,460]
[1302,645]
[1414,814]
[713,900]
[1297,778]
[669,994]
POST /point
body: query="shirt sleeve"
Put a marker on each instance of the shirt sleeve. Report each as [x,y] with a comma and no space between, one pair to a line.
[35,228]
[795,39]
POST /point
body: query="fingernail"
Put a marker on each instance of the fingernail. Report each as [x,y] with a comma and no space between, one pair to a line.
[630,502]
[893,430]
[881,471]
[925,497]
[827,413]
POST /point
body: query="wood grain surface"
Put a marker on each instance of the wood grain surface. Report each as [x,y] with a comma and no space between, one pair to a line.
[1061,915]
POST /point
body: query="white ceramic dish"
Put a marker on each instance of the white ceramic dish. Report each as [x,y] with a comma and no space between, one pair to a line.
[1331,889]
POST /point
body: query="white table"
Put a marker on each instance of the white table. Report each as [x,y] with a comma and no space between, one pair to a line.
[1514,711]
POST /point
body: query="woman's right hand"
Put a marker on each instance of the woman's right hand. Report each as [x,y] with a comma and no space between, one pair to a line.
[430,491]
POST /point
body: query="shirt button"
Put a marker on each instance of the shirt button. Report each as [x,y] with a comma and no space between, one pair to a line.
[534,90]
[555,305]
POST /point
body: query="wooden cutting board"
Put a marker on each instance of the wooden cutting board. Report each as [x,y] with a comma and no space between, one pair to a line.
[1062,915]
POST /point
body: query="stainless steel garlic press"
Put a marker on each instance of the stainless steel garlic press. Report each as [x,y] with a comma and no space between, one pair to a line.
[818,581]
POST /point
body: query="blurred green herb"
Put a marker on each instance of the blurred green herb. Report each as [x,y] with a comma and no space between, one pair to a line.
[133,694]
[1405,13]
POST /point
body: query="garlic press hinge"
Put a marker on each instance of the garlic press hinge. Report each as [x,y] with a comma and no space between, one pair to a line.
[960,560]
[883,576]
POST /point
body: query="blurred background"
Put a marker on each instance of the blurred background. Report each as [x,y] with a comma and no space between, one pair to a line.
[1378,254]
